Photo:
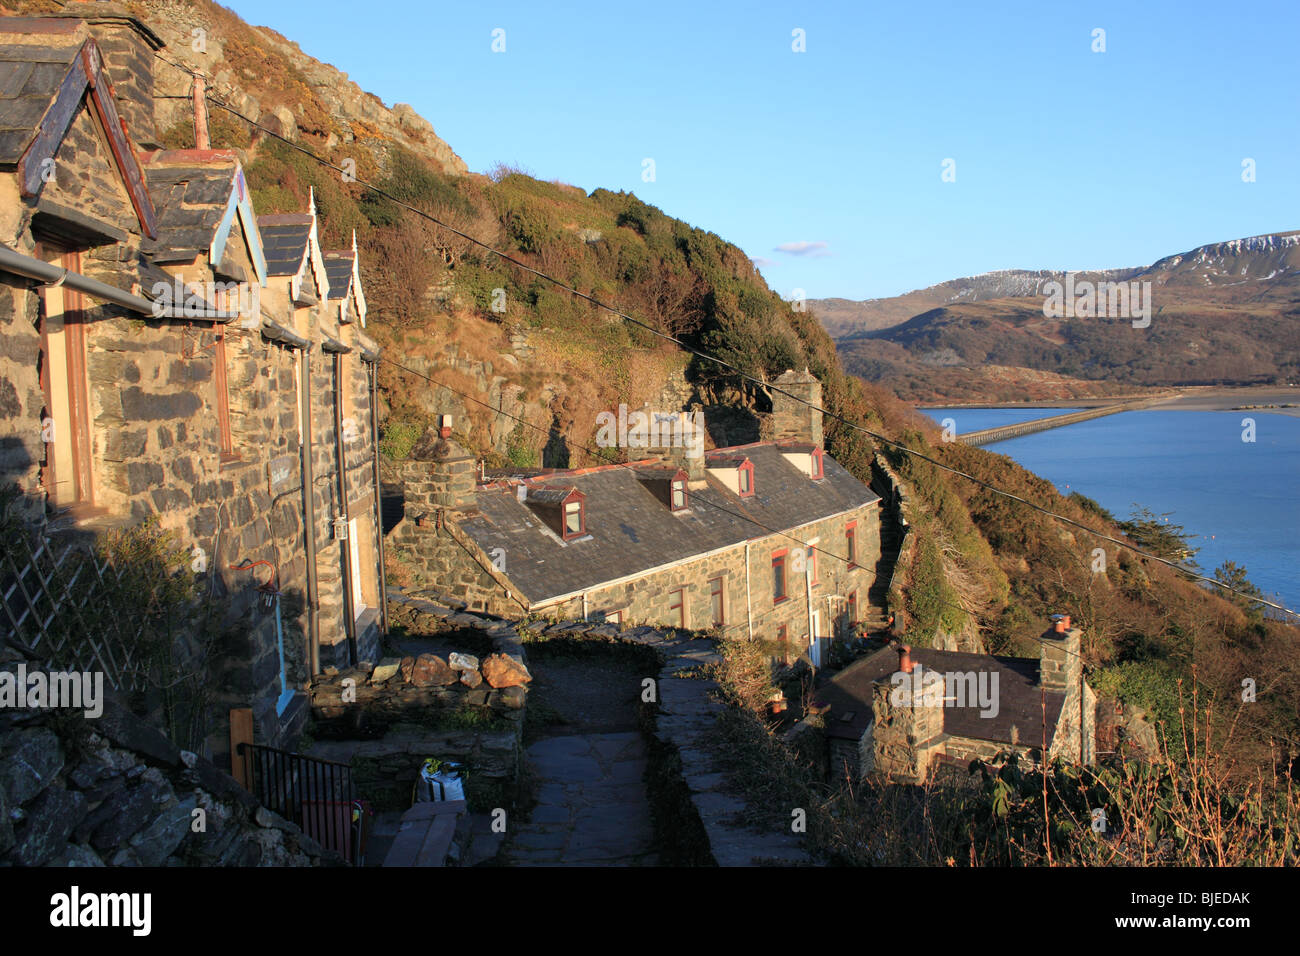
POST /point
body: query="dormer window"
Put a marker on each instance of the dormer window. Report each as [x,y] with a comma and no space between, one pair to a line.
[563,510]
[805,456]
[734,471]
[679,495]
[667,484]
[575,519]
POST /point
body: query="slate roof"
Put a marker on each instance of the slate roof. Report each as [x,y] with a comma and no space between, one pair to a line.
[284,241]
[631,531]
[338,270]
[30,76]
[190,200]
[1020,701]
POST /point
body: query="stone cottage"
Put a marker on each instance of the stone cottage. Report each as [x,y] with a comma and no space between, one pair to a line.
[904,712]
[163,358]
[772,540]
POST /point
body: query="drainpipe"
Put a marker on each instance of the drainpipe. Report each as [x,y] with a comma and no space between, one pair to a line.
[807,587]
[31,268]
[309,516]
[340,458]
[373,371]
[749,607]
[584,606]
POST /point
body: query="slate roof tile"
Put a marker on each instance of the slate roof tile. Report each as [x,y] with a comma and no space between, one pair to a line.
[1020,699]
[631,531]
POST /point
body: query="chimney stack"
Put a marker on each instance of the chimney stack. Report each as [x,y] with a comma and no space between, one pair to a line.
[128,46]
[1061,665]
[799,418]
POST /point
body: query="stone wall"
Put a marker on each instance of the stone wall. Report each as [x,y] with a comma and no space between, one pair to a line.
[904,739]
[385,719]
[155,444]
[112,791]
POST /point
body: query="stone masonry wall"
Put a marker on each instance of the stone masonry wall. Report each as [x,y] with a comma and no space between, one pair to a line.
[112,791]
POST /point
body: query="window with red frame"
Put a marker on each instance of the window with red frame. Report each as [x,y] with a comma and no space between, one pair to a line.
[677,607]
[746,477]
[717,601]
[575,519]
[851,541]
[780,592]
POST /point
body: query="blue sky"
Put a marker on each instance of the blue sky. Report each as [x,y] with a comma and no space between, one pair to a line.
[1063,157]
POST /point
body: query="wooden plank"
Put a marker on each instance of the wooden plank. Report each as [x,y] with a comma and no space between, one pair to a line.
[119,142]
[241,731]
[53,128]
[437,841]
[407,844]
[433,808]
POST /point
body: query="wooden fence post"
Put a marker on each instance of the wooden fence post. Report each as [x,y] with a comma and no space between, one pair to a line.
[241,732]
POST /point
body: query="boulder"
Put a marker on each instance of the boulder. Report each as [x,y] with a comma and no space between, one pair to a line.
[160,839]
[50,821]
[432,671]
[29,764]
[471,679]
[508,698]
[501,671]
[406,667]
[385,669]
[462,662]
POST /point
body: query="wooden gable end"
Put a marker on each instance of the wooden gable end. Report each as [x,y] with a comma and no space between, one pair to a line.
[51,167]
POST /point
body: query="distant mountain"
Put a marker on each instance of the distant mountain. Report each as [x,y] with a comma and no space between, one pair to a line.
[844,317]
[1224,313]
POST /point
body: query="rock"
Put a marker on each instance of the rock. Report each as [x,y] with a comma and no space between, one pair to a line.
[385,669]
[119,818]
[509,698]
[189,758]
[462,662]
[29,764]
[432,670]
[471,679]
[6,826]
[77,855]
[160,839]
[131,733]
[501,671]
[50,821]
[271,820]
[407,666]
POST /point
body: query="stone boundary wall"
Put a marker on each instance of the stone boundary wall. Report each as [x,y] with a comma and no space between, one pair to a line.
[687,711]
[113,791]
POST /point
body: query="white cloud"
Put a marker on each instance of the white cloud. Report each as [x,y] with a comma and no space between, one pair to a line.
[804,248]
[762,263]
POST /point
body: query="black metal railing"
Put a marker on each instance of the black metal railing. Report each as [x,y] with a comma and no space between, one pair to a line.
[317,795]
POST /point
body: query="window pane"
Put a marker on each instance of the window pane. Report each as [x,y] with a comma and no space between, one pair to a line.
[573,517]
[679,495]
[744,481]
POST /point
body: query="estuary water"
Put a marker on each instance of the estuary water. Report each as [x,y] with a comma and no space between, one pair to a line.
[1238,500]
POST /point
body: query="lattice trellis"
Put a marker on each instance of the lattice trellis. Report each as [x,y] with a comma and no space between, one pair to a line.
[49,609]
